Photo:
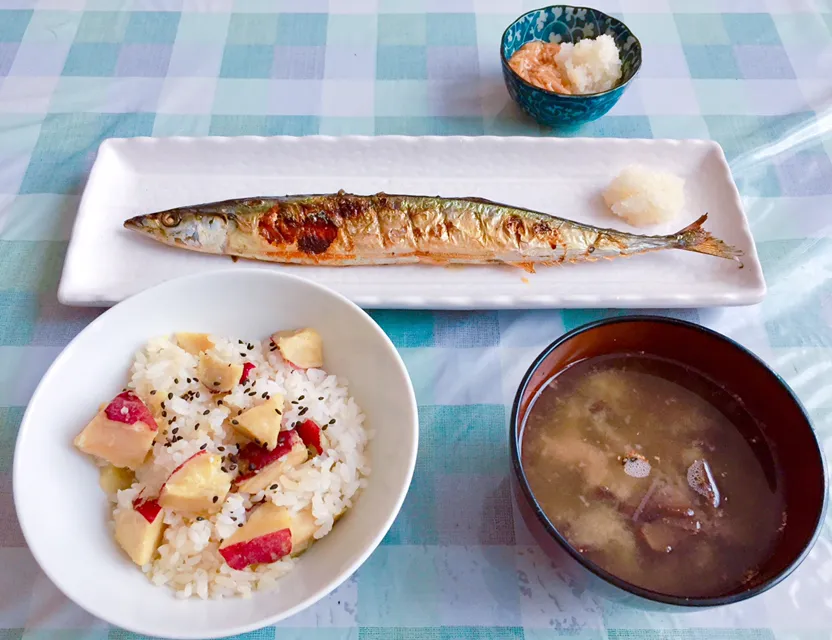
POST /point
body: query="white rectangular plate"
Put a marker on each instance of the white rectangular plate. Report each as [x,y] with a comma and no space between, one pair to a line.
[565,177]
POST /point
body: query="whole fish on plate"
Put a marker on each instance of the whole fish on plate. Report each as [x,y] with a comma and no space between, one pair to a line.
[348,230]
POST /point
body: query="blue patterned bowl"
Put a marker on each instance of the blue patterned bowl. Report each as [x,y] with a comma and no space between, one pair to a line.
[562,23]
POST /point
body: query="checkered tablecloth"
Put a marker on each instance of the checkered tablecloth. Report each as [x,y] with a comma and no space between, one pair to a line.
[756,75]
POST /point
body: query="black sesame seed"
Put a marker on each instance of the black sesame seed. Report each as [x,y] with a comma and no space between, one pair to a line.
[234,518]
[320,397]
[196,427]
[203,447]
[249,346]
[242,354]
[332,421]
[273,487]
[176,381]
[188,381]
[199,518]
[303,411]
[217,383]
[164,414]
[240,341]
[167,444]
[294,401]
[253,393]
[175,430]
[196,379]
[223,469]
[239,411]
[173,419]
[170,396]
[265,395]
[301,397]
[235,422]
[215,499]
[162,404]
[153,392]
[277,411]
[239,524]
[206,412]
[220,448]
[197,394]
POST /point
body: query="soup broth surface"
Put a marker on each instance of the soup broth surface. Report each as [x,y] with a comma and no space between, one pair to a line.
[655,473]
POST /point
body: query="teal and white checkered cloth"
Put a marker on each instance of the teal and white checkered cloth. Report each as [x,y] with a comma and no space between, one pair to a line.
[458,562]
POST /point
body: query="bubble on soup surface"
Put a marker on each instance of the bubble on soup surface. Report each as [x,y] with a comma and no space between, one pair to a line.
[701,479]
[636,466]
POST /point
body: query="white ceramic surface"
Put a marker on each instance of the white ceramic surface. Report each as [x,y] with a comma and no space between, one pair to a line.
[561,176]
[62,510]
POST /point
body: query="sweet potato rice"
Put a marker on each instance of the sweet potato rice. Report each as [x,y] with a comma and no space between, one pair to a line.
[224,459]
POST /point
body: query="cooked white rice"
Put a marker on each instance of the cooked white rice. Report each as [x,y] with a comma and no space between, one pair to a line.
[188,561]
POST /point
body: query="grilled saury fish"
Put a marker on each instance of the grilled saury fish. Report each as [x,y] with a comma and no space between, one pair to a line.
[345,230]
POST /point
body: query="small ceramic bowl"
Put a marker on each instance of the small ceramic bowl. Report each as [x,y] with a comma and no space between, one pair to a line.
[787,429]
[563,23]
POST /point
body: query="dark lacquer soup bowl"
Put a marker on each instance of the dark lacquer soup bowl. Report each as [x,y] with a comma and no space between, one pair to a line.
[784,425]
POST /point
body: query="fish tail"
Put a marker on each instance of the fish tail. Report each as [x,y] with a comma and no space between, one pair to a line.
[695,238]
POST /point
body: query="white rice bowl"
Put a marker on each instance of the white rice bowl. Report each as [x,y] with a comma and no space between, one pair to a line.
[68,533]
[188,561]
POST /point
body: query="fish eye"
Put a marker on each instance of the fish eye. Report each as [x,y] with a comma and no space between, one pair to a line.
[170,219]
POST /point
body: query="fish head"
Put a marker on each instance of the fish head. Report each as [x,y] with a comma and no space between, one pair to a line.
[200,229]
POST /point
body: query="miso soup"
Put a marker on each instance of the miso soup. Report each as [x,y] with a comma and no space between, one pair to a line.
[655,473]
